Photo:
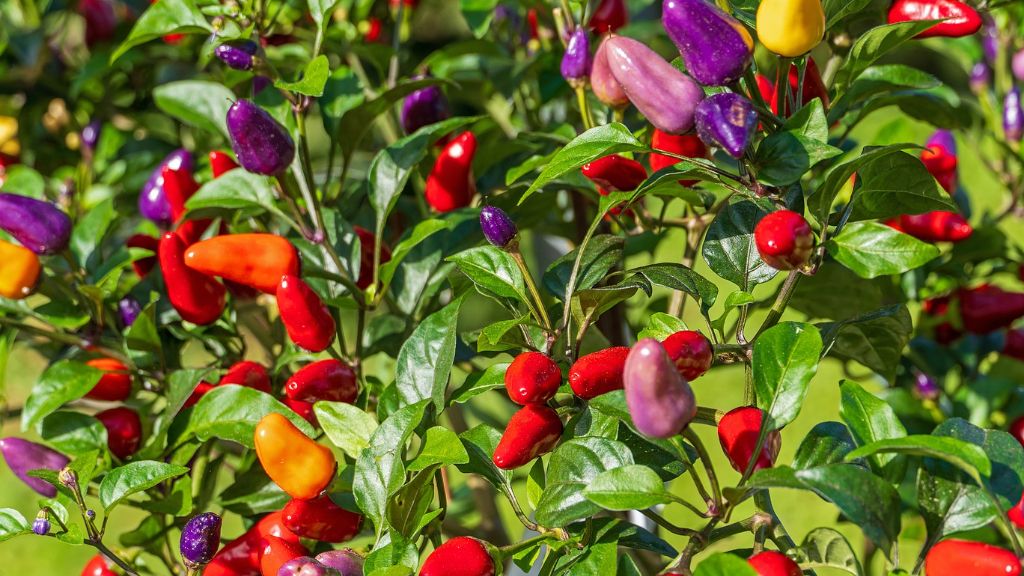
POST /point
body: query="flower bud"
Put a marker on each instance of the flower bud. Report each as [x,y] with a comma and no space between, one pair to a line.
[715,47]
[41,526]
[577,62]
[237,55]
[1013,116]
[153,204]
[346,561]
[925,387]
[91,135]
[666,96]
[1017,65]
[128,309]
[603,82]
[497,227]
[424,107]
[68,478]
[727,120]
[23,456]
[980,77]
[660,401]
[200,539]
[260,143]
[39,226]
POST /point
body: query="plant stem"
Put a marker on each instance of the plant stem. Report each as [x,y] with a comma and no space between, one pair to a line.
[581,99]
[709,468]
[517,255]
[781,301]
[661,521]
[99,545]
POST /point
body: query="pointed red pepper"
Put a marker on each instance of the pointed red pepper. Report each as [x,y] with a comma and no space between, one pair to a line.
[814,87]
[142,266]
[179,186]
[688,145]
[255,260]
[321,519]
[987,308]
[98,566]
[772,563]
[940,159]
[275,552]
[221,162]
[197,297]
[959,19]
[308,322]
[938,226]
[201,389]
[124,430]
[615,173]
[954,557]
[531,432]
[366,241]
[1016,514]
[609,16]
[738,432]
[248,373]
[532,378]
[115,384]
[450,184]
[598,372]
[241,556]
[329,379]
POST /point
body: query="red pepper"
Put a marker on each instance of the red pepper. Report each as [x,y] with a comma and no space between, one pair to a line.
[303,409]
[962,557]
[1014,346]
[946,333]
[691,353]
[374,30]
[98,566]
[241,556]
[366,241]
[531,432]
[321,519]
[772,563]
[221,162]
[615,173]
[256,260]
[814,87]
[142,266]
[937,306]
[609,16]
[688,145]
[598,372]
[738,432]
[959,19]
[197,297]
[308,322]
[784,240]
[201,389]
[276,552]
[1017,429]
[1016,514]
[450,184]
[124,430]
[115,384]
[533,24]
[179,186]
[935,226]
[248,373]
[460,556]
[942,165]
[986,308]
[532,378]
[329,379]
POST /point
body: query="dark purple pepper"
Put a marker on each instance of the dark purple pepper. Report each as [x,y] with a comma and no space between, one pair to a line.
[153,204]
[200,539]
[943,139]
[577,61]
[925,387]
[1013,116]
[990,41]
[129,309]
[38,225]
[237,55]
[715,47]
[497,227]
[980,77]
[91,135]
[260,143]
[727,120]
[23,456]
[259,84]
[424,107]
[346,561]
[41,526]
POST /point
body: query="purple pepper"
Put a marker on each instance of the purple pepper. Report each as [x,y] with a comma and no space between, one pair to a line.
[237,55]
[346,561]
[716,48]
[260,143]
[577,61]
[91,135]
[200,539]
[1017,65]
[666,96]
[925,387]
[38,225]
[990,41]
[1013,116]
[424,107]
[980,77]
[944,139]
[660,401]
[727,120]
[259,84]
[128,309]
[23,456]
[497,227]
[603,82]
[305,566]
[153,204]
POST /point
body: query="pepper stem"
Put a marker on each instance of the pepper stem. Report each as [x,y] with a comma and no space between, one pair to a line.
[581,98]
[532,287]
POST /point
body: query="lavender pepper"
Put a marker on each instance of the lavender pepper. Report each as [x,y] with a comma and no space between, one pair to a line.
[153,203]
[346,561]
[200,539]
[237,55]
[23,456]
[38,225]
[577,61]
[727,120]
[497,227]
[660,401]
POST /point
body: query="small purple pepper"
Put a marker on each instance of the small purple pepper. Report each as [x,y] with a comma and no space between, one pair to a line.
[128,309]
[944,139]
[237,55]
[1017,65]
[715,47]
[577,61]
[727,120]
[925,387]
[990,41]
[980,77]
[153,204]
[200,539]
[41,525]
[346,561]
[259,84]
[23,456]
[424,107]
[663,94]
[38,225]
[660,401]
[305,566]
[260,143]
[497,227]
[603,82]
[1013,116]
[90,136]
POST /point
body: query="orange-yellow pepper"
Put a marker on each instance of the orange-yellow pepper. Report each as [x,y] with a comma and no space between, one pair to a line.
[254,260]
[790,27]
[296,463]
[19,270]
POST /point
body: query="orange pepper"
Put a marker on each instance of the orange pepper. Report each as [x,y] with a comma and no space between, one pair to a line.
[255,260]
[296,463]
[19,270]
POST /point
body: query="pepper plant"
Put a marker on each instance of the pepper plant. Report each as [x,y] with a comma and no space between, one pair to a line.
[335,287]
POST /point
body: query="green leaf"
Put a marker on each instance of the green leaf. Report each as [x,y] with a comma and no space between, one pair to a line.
[660,326]
[873,249]
[416,236]
[679,277]
[875,340]
[234,190]
[347,426]
[724,565]
[602,253]
[73,432]
[785,359]
[197,103]
[479,382]
[410,502]
[122,482]
[91,229]
[571,468]
[492,269]
[141,339]
[478,15]
[870,419]
[314,78]
[836,10]
[441,446]
[733,301]
[874,44]
[879,80]
[819,201]
[60,383]
[593,144]
[964,455]
[480,443]
[896,184]
[162,18]
[784,157]
[320,10]
[232,412]
[628,488]
[425,360]
[826,548]
[729,246]
[826,443]
[12,524]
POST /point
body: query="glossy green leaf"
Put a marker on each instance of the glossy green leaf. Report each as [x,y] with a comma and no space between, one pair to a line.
[825,548]
[234,190]
[870,419]
[571,468]
[826,443]
[896,184]
[964,455]
[874,249]
[12,524]
[197,103]
[492,269]
[785,359]
[425,360]
[679,277]
[628,488]
[73,432]
[441,447]
[134,477]
[875,340]
[729,246]
[314,78]
[874,44]
[232,413]
[60,383]
[162,18]
[602,253]
[724,565]
[348,427]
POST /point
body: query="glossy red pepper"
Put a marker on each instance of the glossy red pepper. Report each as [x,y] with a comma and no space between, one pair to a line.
[1017,429]
[615,173]
[241,556]
[1016,514]
[305,317]
[179,186]
[373,30]
[935,226]
[1014,345]
[450,184]
[688,145]
[531,432]
[609,16]
[275,552]
[784,240]
[532,378]
[303,409]
[321,519]
[201,389]
[124,430]
[814,87]
[987,308]
[691,353]
[468,555]
[329,379]
[738,432]
[294,461]
[598,372]
[115,384]
[256,260]
[197,297]
[248,373]
[954,557]
[221,162]
[142,266]
[942,165]
[98,566]
[959,19]
[366,241]
[772,563]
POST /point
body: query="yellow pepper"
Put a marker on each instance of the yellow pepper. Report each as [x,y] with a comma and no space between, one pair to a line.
[296,463]
[19,270]
[9,136]
[790,27]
